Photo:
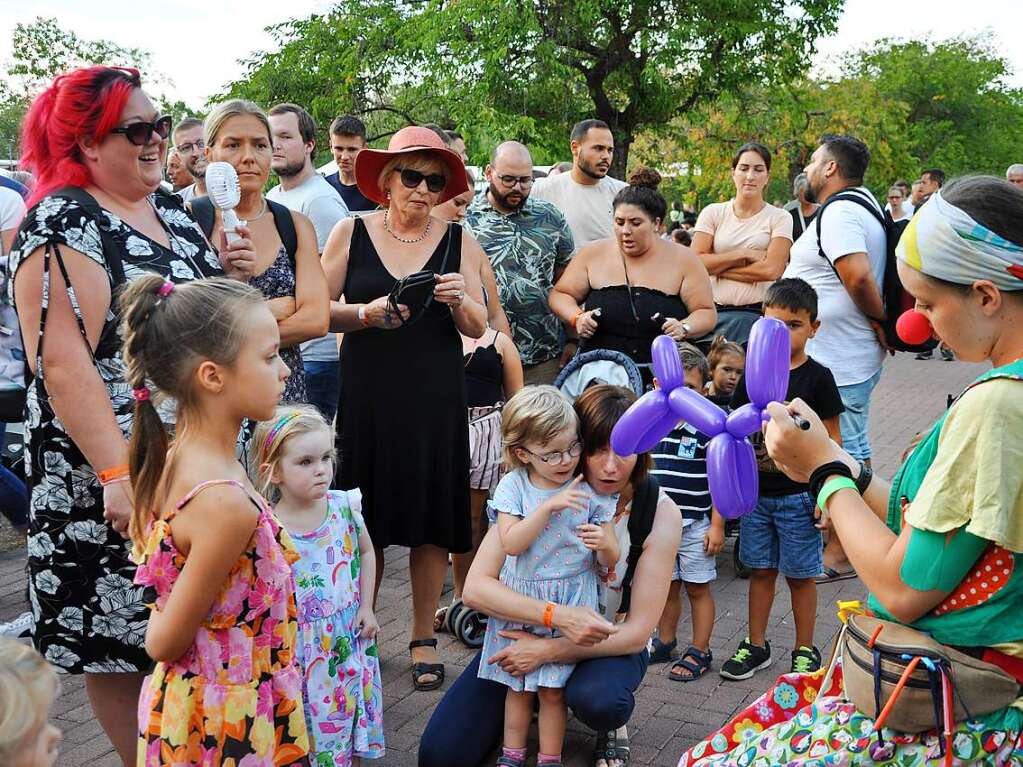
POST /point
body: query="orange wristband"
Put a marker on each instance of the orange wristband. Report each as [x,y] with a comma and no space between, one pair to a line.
[575,319]
[109,476]
[548,615]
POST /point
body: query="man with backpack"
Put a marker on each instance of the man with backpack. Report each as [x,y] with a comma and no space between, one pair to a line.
[843,257]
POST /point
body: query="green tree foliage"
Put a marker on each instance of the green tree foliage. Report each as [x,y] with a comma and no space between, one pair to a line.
[528,70]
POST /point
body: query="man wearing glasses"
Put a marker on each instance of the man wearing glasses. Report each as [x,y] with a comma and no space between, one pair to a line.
[189,145]
[529,244]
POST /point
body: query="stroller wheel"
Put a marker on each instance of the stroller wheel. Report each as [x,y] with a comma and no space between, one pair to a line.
[452,614]
[740,568]
[470,626]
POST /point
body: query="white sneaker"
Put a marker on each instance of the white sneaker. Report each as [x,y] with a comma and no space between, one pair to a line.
[19,628]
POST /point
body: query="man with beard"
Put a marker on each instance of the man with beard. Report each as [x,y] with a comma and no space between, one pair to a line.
[529,244]
[305,190]
[585,194]
[191,149]
[347,139]
[851,341]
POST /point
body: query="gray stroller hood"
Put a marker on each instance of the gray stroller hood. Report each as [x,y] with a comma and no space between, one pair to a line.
[599,366]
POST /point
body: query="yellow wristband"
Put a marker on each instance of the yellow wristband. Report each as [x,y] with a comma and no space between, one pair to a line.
[831,487]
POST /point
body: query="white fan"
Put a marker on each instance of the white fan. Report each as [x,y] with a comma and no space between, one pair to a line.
[225,194]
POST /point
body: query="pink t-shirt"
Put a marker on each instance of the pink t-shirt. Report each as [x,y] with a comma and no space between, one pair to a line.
[733,233]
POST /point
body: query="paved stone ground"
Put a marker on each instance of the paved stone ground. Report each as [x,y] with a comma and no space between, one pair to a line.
[669,716]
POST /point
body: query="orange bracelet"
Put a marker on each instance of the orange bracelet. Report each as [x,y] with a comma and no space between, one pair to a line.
[548,615]
[575,319]
[109,476]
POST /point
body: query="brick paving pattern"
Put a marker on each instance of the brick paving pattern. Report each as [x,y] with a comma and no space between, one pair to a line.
[669,716]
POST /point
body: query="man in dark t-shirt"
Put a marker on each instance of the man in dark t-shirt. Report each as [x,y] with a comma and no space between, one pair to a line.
[780,534]
[347,139]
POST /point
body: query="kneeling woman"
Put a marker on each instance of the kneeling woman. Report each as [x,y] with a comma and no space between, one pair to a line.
[948,560]
[610,657]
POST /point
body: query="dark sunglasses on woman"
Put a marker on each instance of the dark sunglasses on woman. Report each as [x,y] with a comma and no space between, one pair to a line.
[435,182]
[141,132]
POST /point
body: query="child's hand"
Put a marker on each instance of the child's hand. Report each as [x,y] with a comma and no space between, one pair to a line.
[570,498]
[714,538]
[593,537]
[366,622]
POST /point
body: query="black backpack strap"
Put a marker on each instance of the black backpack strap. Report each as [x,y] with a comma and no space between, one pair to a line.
[641,522]
[111,252]
[204,214]
[852,196]
[286,229]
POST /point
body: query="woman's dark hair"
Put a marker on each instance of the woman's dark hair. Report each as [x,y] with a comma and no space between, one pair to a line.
[752,146]
[642,192]
[991,201]
[599,409]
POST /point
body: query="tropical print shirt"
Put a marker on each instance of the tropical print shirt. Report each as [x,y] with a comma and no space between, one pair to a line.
[525,247]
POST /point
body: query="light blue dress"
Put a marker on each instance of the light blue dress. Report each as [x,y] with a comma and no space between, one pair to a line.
[556,567]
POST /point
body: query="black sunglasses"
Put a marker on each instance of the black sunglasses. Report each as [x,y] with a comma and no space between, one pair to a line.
[141,132]
[435,182]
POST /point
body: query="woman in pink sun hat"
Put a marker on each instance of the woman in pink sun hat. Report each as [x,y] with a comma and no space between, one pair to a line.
[402,412]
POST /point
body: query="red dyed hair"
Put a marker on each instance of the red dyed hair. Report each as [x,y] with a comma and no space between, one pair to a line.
[83,104]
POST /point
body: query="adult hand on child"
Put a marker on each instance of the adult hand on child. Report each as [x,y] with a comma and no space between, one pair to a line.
[366,622]
[582,626]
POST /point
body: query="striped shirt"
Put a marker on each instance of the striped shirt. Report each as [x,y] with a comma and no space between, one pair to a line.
[680,466]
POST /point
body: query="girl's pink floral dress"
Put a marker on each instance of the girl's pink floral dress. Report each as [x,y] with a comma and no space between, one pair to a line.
[234,699]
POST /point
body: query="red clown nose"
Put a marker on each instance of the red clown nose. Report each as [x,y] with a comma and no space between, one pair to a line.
[913,328]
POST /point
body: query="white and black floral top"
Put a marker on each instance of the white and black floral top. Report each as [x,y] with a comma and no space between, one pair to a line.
[89,616]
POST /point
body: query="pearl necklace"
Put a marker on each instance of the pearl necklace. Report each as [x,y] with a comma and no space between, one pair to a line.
[420,238]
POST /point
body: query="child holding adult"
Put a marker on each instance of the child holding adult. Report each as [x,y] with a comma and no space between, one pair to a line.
[293,463]
[781,533]
[226,687]
[680,466]
[28,687]
[552,527]
[727,361]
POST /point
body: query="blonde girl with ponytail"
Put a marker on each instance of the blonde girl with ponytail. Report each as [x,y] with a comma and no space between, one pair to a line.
[213,558]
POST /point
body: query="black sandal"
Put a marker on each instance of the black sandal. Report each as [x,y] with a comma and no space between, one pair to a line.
[696,670]
[610,746]
[419,670]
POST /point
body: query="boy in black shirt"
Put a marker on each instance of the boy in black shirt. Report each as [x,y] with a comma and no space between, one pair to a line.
[781,532]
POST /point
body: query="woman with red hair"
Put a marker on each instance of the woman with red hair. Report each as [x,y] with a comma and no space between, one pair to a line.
[96,145]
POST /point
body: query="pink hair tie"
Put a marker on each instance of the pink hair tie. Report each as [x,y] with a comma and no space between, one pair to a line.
[141,394]
[166,289]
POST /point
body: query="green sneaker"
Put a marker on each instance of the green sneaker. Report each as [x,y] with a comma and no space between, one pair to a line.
[806,660]
[748,660]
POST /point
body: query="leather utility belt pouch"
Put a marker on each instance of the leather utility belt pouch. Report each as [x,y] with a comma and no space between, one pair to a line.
[902,678]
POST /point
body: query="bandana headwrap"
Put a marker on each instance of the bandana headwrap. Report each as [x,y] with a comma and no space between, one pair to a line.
[943,241]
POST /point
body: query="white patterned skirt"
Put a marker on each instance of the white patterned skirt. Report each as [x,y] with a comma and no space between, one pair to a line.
[485,447]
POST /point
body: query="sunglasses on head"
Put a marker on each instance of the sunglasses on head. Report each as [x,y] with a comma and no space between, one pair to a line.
[435,182]
[141,132]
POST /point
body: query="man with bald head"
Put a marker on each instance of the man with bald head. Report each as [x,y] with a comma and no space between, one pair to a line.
[529,245]
[1014,174]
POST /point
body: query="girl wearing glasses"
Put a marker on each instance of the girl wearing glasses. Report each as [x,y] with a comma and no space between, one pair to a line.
[97,146]
[552,527]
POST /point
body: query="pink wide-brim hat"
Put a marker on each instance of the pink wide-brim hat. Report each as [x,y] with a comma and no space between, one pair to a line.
[369,163]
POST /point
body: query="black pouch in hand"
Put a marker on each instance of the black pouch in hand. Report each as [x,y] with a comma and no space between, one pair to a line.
[414,291]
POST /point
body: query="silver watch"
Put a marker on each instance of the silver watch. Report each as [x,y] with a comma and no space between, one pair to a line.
[685,327]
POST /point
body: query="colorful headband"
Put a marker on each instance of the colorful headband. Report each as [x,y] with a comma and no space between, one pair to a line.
[276,428]
[945,242]
[166,289]
[141,394]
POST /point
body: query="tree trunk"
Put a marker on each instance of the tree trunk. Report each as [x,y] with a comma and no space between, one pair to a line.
[620,161]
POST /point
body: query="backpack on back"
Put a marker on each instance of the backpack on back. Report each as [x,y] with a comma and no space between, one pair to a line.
[894,296]
[641,522]
[203,212]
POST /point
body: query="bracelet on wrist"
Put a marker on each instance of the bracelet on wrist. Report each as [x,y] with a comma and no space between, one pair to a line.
[824,472]
[548,615]
[831,487]
[362,316]
[111,475]
[575,319]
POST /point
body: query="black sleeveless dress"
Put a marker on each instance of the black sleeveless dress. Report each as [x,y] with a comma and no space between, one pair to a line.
[620,329]
[404,427]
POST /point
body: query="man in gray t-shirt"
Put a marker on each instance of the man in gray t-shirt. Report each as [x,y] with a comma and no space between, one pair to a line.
[304,190]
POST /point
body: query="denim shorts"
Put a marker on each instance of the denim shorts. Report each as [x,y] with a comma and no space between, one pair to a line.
[692,563]
[780,534]
[855,420]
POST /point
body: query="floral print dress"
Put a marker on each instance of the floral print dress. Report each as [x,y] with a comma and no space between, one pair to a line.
[343,693]
[234,699]
[88,615]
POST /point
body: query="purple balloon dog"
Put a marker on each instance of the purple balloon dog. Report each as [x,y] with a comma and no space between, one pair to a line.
[731,464]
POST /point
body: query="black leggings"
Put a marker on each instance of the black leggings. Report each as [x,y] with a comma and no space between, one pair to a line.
[469,720]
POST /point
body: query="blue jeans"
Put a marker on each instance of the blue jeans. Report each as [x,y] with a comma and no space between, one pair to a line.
[322,383]
[13,494]
[469,720]
[780,534]
[855,420]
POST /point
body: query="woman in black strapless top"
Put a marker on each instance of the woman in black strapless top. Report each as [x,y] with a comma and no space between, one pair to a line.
[636,286]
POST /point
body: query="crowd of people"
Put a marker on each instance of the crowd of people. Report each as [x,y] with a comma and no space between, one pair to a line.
[227,428]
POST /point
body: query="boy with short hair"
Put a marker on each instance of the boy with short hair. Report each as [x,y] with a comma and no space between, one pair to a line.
[680,465]
[781,532]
